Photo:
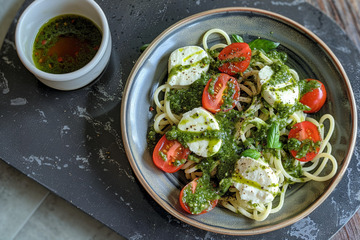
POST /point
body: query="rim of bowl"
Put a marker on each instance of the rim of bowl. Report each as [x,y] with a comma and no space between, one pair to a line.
[259,230]
[71,75]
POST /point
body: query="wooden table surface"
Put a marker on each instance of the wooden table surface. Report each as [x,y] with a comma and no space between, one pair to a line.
[347,14]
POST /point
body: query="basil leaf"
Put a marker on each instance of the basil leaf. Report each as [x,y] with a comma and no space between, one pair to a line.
[251,153]
[143,47]
[237,38]
[263,44]
[273,137]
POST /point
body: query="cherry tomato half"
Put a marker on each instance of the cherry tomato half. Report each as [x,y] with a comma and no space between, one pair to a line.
[235,58]
[190,188]
[315,98]
[302,131]
[166,152]
[220,93]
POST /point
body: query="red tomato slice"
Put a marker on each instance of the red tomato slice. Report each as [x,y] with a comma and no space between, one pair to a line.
[166,152]
[305,130]
[235,57]
[186,208]
[225,87]
[314,99]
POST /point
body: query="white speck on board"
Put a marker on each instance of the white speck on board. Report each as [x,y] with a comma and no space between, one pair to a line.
[348,174]
[305,229]
[18,101]
[103,95]
[282,3]
[8,61]
[33,158]
[64,130]
[161,12]
[342,215]
[84,160]
[42,115]
[4,84]
[137,236]
[343,49]
[172,219]
[102,155]
[209,236]
[7,44]
[126,203]
[356,151]
[357,196]
[81,112]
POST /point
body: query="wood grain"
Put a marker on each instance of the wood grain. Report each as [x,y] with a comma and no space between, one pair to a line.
[351,230]
[346,13]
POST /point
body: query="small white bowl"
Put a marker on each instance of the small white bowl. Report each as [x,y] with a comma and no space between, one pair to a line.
[41,11]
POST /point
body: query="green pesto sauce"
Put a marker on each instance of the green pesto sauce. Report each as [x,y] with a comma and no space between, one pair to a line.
[184,100]
[278,56]
[281,74]
[228,94]
[229,152]
[285,110]
[230,60]
[212,84]
[237,177]
[240,179]
[163,156]
[185,137]
[193,157]
[213,53]
[307,86]
[290,165]
[179,68]
[215,64]
[179,162]
[152,138]
[302,147]
[201,199]
[229,148]
[65,44]
[195,53]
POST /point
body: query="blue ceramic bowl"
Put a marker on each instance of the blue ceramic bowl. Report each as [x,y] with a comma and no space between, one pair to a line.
[307,54]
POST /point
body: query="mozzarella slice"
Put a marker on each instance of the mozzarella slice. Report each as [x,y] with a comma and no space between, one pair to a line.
[186,65]
[287,92]
[265,74]
[199,120]
[255,180]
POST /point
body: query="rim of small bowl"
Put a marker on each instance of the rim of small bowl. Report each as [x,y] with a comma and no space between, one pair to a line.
[182,216]
[64,76]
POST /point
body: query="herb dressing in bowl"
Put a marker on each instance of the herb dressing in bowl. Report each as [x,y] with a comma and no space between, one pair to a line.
[66,43]
[41,12]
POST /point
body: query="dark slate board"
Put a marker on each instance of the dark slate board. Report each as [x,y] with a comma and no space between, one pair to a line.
[70,142]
